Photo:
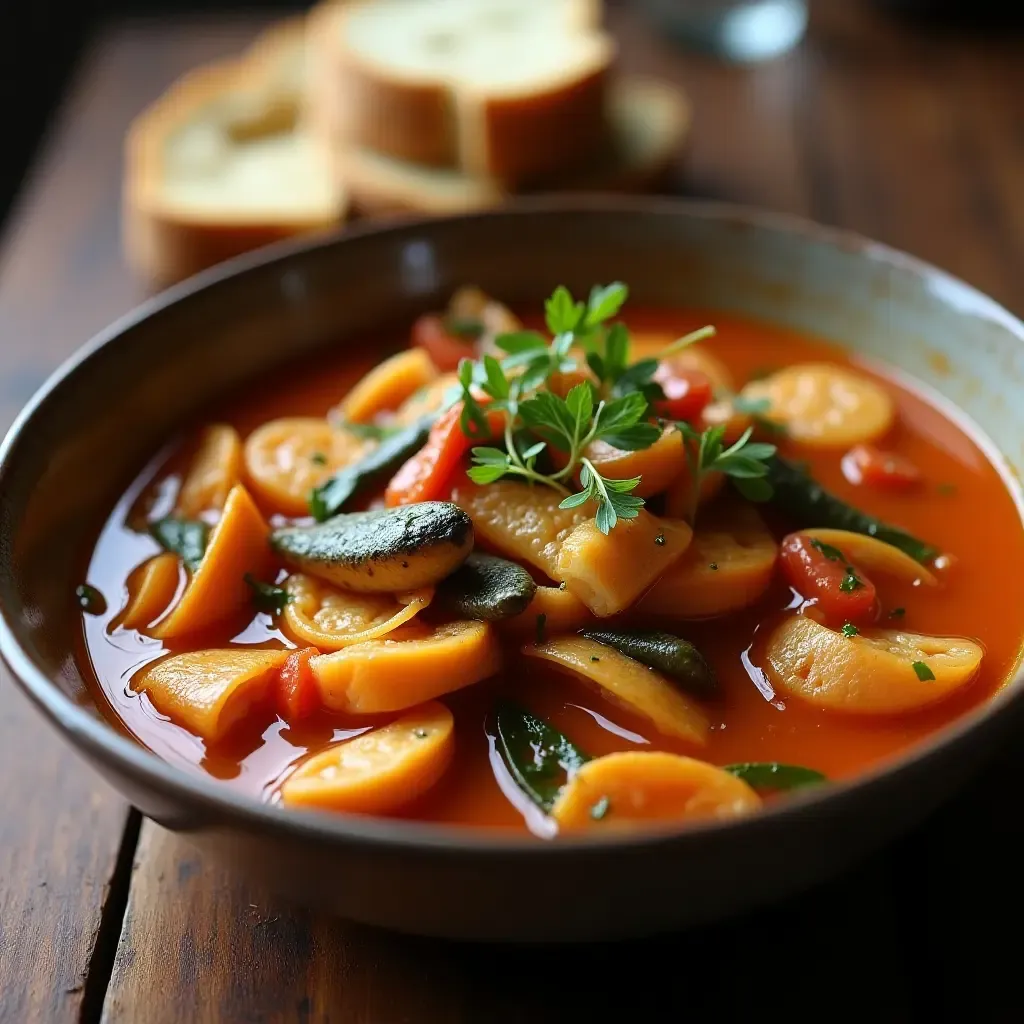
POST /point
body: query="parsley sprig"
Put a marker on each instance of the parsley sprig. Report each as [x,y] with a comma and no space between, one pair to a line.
[744,462]
[614,406]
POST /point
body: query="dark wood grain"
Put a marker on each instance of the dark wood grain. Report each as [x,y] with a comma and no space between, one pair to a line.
[915,139]
[61,279]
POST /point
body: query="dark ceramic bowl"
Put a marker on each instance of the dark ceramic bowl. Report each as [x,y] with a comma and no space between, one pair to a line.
[97,420]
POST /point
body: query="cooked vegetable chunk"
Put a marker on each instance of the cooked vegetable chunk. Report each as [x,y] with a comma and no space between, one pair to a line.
[628,683]
[635,789]
[380,771]
[238,547]
[520,521]
[608,572]
[874,555]
[216,468]
[330,619]
[207,692]
[808,504]
[883,672]
[728,566]
[675,658]
[391,675]
[388,385]
[487,587]
[381,551]
[823,573]
[286,459]
[151,589]
[823,405]
[553,610]
[657,466]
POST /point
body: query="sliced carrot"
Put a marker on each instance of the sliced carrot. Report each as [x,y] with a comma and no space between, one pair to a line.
[151,589]
[208,692]
[238,545]
[380,771]
[388,385]
[215,469]
[636,789]
[425,475]
[297,693]
[392,675]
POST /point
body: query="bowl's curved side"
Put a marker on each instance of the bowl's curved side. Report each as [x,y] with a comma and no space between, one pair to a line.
[93,425]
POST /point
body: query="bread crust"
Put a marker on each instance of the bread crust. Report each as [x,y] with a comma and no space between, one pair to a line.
[516,137]
[164,242]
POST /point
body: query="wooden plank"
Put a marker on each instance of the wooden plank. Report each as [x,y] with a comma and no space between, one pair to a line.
[199,946]
[61,279]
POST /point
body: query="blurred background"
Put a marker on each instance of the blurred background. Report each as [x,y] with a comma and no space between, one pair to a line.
[41,44]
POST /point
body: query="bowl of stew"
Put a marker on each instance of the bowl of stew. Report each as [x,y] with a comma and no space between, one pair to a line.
[574,571]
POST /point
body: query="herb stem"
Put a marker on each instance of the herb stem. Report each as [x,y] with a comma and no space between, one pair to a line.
[686,340]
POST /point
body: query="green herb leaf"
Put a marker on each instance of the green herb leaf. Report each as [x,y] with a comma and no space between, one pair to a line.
[849,629]
[923,672]
[90,600]
[538,756]
[267,597]
[605,302]
[580,403]
[561,313]
[687,340]
[495,383]
[331,497]
[833,554]
[318,459]
[365,431]
[851,581]
[464,327]
[713,566]
[751,406]
[184,537]
[774,775]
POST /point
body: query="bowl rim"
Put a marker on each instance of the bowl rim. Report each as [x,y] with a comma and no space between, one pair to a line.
[215,805]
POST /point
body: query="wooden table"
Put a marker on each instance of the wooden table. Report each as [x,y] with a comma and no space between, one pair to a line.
[917,141]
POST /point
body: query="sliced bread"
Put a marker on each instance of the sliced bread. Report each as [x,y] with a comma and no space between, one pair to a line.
[511,90]
[648,122]
[222,164]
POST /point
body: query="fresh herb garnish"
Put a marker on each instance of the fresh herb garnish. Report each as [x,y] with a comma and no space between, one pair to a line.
[897,613]
[773,775]
[600,809]
[594,657]
[833,554]
[923,672]
[421,734]
[267,597]
[744,462]
[851,581]
[365,431]
[849,629]
[756,408]
[713,566]
[467,328]
[318,459]
[90,600]
[185,537]
[687,340]
[660,540]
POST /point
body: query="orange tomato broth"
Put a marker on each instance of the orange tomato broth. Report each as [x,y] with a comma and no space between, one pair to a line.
[964,508]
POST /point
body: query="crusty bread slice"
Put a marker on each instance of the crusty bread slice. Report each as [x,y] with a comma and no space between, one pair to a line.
[513,90]
[222,164]
[648,122]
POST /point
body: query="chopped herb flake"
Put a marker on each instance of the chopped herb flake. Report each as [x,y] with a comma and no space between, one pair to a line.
[851,581]
[600,809]
[561,586]
[849,629]
[897,613]
[594,657]
[267,597]
[660,540]
[318,459]
[90,600]
[421,734]
[923,672]
[713,566]
[833,554]
[184,537]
